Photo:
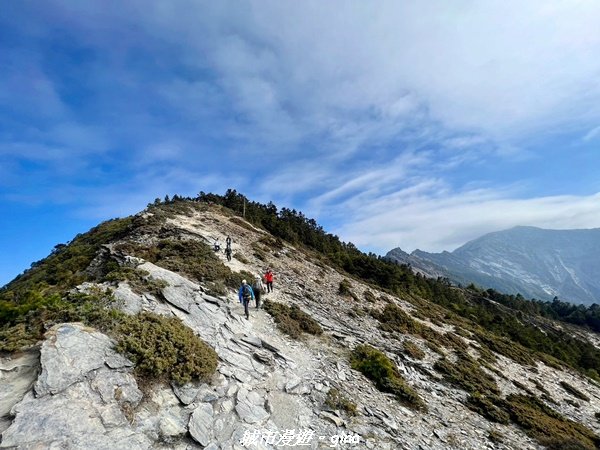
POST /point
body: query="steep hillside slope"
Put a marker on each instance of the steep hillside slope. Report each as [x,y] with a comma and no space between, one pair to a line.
[531,261]
[440,382]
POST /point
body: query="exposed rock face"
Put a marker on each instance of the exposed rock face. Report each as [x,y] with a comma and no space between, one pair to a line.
[79,397]
[17,376]
[86,395]
[69,353]
[531,261]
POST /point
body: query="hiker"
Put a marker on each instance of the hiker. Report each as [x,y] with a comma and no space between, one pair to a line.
[269,280]
[217,246]
[245,295]
[228,248]
[258,288]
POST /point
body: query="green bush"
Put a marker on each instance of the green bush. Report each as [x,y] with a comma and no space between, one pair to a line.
[574,391]
[486,407]
[271,242]
[345,289]
[539,386]
[164,348]
[335,400]
[467,374]
[369,296]
[506,347]
[381,370]
[393,318]
[92,309]
[495,436]
[547,426]
[241,258]
[413,350]
[292,320]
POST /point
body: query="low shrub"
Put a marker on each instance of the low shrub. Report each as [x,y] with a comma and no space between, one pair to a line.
[506,347]
[413,350]
[547,426]
[345,289]
[448,340]
[272,243]
[66,266]
[242,223]
[91,309]
[164,348]
[381,370]
[292,320]
[241,258]
[495,436]
[467,374]
[521,386]
[486,407]
[335,400]
[393,318]
[539,386]
[216,288]
[369,296]
[574,391]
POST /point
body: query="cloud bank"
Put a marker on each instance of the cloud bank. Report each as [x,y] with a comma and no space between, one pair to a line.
[419,124]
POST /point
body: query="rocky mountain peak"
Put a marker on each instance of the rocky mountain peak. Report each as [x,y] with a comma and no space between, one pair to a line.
[534,262]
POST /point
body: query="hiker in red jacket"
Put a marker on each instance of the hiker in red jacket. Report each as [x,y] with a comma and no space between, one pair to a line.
[269,280]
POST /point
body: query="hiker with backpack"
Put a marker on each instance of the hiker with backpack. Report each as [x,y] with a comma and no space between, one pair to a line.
[258,288]
[269,280]
[246,294]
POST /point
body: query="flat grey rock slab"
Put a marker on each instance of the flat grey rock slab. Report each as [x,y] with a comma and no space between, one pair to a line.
[69,353]
[201,423]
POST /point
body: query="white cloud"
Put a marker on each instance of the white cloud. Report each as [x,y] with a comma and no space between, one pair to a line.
[468,65]
[438,219]
[592,134]
[367,107]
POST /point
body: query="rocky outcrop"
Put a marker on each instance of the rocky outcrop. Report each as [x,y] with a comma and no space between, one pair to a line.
[81,398]
[17,375]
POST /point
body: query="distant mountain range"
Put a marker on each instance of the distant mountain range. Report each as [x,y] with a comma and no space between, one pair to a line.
[534,262]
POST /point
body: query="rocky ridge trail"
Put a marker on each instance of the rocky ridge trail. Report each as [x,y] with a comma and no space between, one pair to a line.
[86,396]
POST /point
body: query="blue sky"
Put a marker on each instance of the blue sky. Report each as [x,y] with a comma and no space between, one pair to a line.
[411,124]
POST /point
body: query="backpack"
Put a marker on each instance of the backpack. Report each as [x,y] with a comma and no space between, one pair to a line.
[246,292]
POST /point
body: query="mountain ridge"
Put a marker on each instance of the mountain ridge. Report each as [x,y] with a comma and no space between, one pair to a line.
[535,262]
[477,387]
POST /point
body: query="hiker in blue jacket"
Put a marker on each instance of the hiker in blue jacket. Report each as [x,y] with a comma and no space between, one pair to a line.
[246,294]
